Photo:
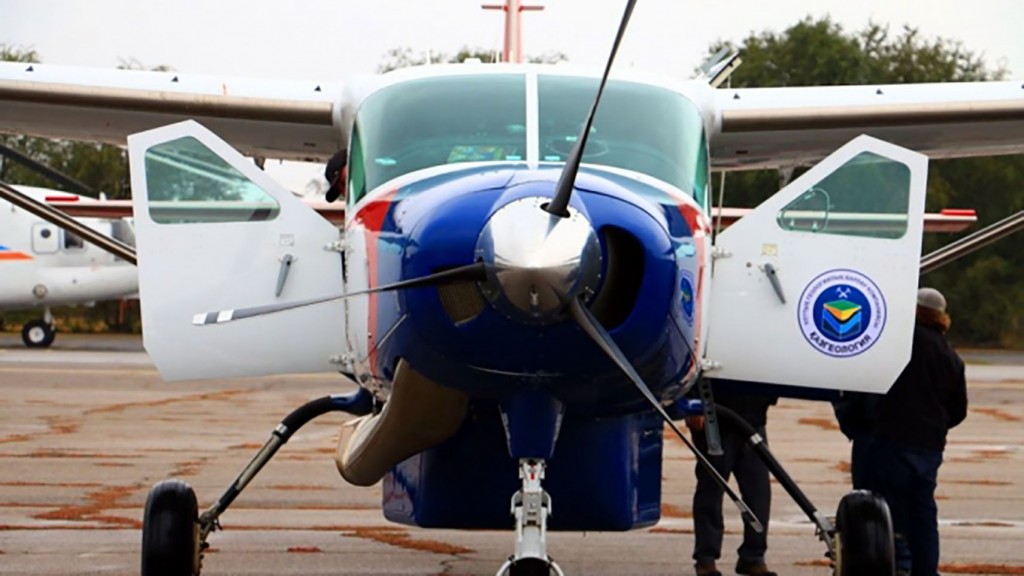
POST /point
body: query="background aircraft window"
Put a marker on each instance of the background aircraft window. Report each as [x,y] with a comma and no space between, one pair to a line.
[435,121]
[638,127]
[72,242]
[189,183]
[867,196]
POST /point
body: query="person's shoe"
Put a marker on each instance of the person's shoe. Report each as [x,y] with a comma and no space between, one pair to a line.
[706,569]
[753,569]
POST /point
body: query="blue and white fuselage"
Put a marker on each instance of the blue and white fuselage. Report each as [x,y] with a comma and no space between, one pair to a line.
[642,190]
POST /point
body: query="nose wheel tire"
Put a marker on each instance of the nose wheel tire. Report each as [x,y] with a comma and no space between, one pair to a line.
[38,334]
[530,567]
[170,531]
[864,536]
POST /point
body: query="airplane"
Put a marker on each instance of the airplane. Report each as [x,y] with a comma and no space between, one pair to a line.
[524,291]
[42,265]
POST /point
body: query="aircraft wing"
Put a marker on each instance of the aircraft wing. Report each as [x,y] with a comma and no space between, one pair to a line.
[779,127]
[294,120]
[949,220]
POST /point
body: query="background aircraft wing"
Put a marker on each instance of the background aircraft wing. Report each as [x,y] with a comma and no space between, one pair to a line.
[772,127]
[294,120]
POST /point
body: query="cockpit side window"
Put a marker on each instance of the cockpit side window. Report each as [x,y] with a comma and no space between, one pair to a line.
[356,167]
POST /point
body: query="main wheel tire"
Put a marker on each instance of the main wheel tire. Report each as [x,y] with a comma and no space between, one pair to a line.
[864,536]
[530,567]
[170,531]
[37,334]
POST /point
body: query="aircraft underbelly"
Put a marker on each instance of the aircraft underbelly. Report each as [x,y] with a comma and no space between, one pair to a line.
[605,474]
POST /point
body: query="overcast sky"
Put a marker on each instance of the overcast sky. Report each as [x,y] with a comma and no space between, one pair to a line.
[329,39]
[324,39]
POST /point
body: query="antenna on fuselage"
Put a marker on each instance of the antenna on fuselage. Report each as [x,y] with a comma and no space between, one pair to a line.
[720,66]
[513,49]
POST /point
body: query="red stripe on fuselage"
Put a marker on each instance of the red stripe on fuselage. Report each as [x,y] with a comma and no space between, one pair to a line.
[14,256]
[700,227]
[371,217]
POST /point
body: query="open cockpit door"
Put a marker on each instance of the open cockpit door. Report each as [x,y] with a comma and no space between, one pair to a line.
[817,286]
[215,233]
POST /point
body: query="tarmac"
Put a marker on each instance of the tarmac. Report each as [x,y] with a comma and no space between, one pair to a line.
[87,427]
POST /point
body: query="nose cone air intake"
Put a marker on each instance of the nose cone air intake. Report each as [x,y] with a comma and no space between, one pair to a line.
[535,259]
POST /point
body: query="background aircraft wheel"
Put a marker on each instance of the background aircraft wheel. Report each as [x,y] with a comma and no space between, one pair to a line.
[864,538]
[170,531]
[37,334]
[530,567]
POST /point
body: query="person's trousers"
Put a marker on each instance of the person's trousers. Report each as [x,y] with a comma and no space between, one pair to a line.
[751,474]
[906,478]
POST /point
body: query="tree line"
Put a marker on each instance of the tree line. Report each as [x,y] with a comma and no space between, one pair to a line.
[985,290]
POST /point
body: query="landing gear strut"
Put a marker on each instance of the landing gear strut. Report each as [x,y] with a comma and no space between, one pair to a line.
[860,543]
[531,506]
[174,534]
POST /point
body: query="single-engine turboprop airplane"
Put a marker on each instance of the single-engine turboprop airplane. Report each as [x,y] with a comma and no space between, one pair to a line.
[521,289]
[42,265]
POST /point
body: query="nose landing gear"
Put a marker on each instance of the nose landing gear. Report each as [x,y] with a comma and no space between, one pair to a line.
[531,506]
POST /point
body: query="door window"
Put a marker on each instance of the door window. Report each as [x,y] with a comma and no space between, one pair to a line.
[188,183]
[867,196]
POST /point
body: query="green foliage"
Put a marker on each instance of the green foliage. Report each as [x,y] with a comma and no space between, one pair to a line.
[101,167]
[407,57]
[983,289]
[11,53]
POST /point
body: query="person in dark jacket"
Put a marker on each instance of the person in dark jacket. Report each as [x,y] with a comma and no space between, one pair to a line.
[335,173]
[740,459]
[856,413]
[910,426]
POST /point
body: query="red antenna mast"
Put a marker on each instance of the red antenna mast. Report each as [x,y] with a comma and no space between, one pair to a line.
[513,30]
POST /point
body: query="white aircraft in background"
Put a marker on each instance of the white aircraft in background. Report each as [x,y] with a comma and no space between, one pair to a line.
[42,266]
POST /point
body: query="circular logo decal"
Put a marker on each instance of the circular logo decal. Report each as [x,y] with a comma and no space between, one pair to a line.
[841,313]
[686,295]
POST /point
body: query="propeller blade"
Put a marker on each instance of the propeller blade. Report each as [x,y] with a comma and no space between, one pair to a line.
[472,272]
[600,336]
[563,190]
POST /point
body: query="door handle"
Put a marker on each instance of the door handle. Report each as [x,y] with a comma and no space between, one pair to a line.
[773,278]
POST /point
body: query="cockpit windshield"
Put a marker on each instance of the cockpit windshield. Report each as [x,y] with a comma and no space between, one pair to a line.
[637,127]
[433,121]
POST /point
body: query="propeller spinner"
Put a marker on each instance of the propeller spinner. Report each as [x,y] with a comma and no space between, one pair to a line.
[533,257]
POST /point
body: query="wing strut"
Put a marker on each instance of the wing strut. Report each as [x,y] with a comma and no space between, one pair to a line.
[975,241]
[58,218]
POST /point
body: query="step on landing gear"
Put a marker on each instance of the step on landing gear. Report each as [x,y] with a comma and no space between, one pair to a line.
[531,506]
[174,533]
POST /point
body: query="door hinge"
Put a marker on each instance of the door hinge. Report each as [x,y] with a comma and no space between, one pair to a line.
[719,252]
[336,246]
[346,362]
[709,365]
